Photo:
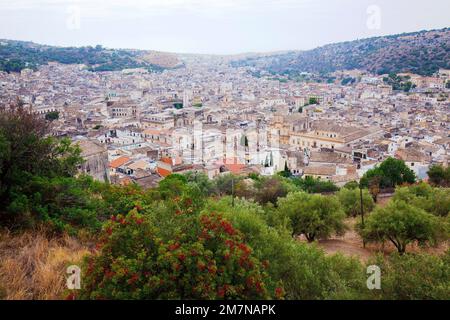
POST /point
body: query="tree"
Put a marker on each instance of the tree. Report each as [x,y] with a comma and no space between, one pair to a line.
[313,100]
[433,200]
[413,277]
[52,115]
[304,270]
[351,185]
[172,186]
[439,176]
[391,172]
[223,184]
[401,224]
[286,172]
[312,185]
[350,200]
[270,189]
[28,151]
[201,180]
[314,216]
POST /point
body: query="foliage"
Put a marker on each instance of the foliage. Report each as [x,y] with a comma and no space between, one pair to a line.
[399,82]
[28,154]
[413,277]
[390,173]
[313,100]
[313,185]
[201,180]
[422,195]
[270,189]
[401,224]
[52,115]
[418,52]
[205,259]
[18,55]
[350,200]
[314,216]
[351,185]
[439,176]
[172,186]
[224,183]
[304,270]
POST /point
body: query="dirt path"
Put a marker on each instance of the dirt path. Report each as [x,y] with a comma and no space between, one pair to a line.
[351,245]
[348,249]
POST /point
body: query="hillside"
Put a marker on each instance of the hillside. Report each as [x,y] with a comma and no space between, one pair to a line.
[421,52]
[17,55]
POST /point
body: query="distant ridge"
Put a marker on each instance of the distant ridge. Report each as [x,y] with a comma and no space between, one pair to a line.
[422,52]
[17,55]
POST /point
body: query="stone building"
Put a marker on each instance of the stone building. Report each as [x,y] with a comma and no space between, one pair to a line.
[96,160]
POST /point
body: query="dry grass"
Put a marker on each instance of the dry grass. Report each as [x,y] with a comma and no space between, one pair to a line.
[33,266]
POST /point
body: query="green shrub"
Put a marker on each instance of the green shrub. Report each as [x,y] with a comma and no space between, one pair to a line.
[205,259]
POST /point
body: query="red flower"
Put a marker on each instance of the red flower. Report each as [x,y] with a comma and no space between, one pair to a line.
[133,278]
[201,266]
[221,292]
[181,256]
[173,247]
[249,281]
[279,292]
[227,227]
[71,296]
[212,270]
[109,274]
[229,243]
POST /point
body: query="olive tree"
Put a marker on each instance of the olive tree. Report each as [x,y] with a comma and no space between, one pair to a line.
[350,200]
[313,215]
[401,224]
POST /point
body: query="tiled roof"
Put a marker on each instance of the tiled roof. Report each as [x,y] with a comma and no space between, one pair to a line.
[119,162]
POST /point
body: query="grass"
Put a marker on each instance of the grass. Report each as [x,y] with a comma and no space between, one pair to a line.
[33,266]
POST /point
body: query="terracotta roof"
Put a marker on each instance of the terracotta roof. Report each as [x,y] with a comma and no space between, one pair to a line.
[119,162]
[163,172]
[320,171]
[235,168]
[155,131]
[167,160]
[140,164]
[328,157]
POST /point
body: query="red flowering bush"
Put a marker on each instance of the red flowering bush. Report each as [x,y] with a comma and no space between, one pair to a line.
[206,258]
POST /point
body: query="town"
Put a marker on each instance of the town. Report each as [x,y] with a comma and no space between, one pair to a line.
[207,116]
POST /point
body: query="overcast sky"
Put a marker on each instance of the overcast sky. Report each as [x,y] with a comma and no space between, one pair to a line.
[214,26]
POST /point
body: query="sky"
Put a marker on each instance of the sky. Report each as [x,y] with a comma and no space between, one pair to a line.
[215,26]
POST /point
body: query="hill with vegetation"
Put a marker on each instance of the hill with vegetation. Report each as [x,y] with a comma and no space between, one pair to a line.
[18,55]
[421,53]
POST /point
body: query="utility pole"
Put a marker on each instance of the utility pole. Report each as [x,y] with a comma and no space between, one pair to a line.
[232,192]
[362,210]
[362,207]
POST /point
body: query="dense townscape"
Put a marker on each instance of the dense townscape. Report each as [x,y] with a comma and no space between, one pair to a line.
[133,125]
[211,178]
